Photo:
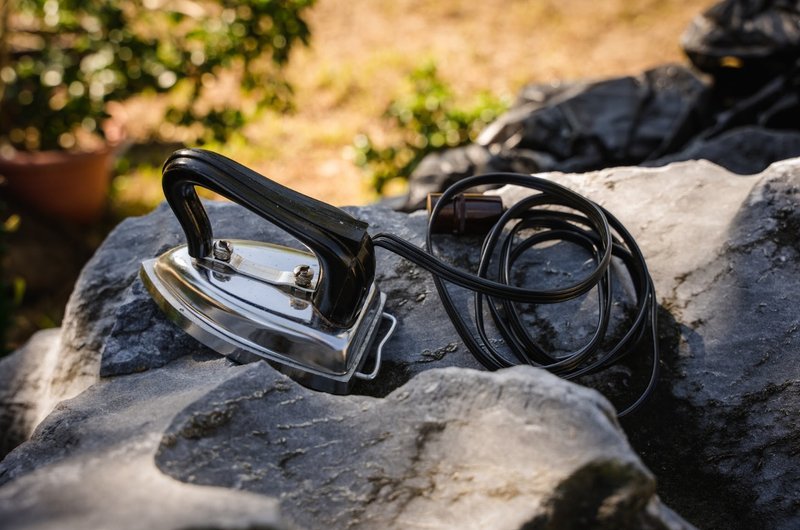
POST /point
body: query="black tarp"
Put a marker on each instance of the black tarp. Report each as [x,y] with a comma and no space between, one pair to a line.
[738,105]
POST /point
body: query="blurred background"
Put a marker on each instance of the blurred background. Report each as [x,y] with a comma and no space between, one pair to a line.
[337,99]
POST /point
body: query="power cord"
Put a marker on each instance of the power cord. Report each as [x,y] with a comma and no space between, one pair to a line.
[530,222]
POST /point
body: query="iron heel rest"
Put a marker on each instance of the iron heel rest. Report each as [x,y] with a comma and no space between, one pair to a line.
[312,315]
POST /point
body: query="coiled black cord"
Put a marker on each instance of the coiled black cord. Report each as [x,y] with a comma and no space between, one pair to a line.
[589,226]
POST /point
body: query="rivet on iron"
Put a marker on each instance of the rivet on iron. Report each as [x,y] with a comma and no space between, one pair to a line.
[303,274]
[223,250]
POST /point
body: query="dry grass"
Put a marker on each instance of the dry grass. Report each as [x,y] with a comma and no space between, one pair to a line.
[362,50]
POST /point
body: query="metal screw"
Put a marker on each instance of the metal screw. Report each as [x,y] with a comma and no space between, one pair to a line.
[223,250]
[303,274]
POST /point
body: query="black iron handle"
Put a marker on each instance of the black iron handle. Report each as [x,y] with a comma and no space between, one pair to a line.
[339,241]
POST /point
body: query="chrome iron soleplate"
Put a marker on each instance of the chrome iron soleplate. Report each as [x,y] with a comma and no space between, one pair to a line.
[251,310]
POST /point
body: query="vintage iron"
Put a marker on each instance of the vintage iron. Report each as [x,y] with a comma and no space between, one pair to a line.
[313,315]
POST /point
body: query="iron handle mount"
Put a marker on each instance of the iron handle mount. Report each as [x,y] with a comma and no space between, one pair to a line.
[340,242]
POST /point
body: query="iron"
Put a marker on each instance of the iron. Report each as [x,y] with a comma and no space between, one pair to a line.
[314,315]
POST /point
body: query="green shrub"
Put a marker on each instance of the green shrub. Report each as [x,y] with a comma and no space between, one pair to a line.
[427,120]
[63,61]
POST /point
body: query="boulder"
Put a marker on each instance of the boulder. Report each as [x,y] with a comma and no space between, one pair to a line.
[90,462]
[719,434]
[452,448]
[25,387]
[724,252]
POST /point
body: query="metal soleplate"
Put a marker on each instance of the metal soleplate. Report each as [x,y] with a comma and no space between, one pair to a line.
[251,310]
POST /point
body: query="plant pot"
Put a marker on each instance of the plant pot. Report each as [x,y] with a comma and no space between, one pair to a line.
[69,186]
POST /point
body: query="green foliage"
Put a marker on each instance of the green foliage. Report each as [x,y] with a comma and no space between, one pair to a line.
[63,61]
[427,120]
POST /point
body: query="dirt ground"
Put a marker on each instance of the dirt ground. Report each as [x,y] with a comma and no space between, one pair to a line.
[362,51]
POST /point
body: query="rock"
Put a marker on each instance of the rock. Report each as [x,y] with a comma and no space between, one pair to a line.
[104,287]
[724,252]
[746,150]
[452,448]
[720,435]
[24,388]
[743,328]
[140,337]
[90,464]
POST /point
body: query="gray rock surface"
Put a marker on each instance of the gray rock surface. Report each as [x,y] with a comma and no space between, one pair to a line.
[24,388]
[740,350]
[450,449]
[90,463]
[720,435]
[724,252]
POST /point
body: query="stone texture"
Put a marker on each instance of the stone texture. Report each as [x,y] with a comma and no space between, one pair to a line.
[724,253]
[720,435]
[140,337]
[452,448]
[739,351]
[24,388]
[90,463]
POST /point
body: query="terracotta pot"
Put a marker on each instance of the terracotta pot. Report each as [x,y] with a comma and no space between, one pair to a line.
[69,186]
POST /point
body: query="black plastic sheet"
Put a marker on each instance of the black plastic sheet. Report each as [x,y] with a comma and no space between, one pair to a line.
[744,43]
[737,105]
[578,127]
